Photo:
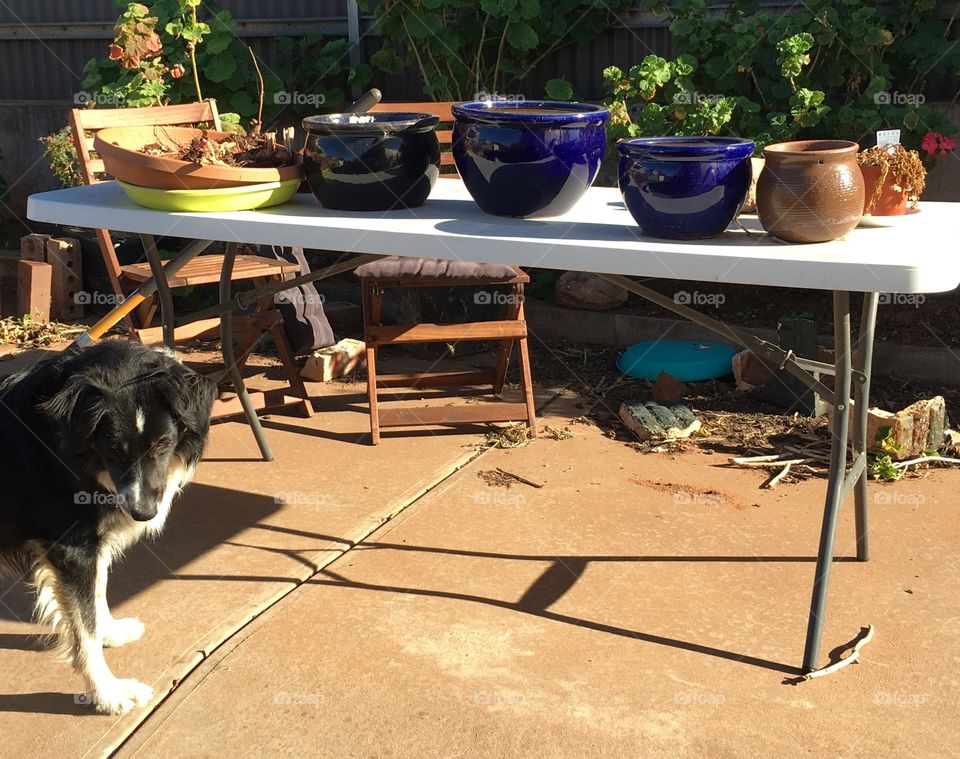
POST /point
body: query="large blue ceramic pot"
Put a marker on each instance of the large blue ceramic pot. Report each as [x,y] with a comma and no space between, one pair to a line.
[528,158]
[684,188]
[371,161]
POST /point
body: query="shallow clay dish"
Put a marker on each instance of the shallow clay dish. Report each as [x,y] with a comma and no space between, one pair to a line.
[120,147]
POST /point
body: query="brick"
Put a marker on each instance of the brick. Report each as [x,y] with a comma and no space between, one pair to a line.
[919,427]
[668,389]
[34,248]
[336,361]
[649,420]
[33,289]
[64,256]
[749,371]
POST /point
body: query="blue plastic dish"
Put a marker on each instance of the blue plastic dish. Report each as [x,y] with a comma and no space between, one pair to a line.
[528,158]
[684,188]
[686,360]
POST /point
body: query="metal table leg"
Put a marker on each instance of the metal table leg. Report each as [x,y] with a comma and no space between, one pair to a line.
[226,339]
[861,398]
[167,315]
[838,481]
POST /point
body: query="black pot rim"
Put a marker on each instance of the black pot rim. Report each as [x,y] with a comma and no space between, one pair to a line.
[504,112]
[383,123]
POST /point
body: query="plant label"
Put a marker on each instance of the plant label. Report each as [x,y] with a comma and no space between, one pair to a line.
[888,137]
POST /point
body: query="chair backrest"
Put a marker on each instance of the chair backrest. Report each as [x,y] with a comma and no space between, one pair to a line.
[444,128]
[85,122]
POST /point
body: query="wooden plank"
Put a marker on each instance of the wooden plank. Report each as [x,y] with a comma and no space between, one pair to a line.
[33,289]
[438,333]
[444,109]
[205,269]
[63,254]
[468,413]
[259,321]
[95,119]
[435,379]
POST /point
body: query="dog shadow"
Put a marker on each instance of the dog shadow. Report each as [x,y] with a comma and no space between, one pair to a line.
[204,518]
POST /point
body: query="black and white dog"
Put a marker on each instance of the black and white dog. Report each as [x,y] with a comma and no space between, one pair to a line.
[94,446]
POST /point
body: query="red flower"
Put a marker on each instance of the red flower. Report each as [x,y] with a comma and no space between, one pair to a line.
[937,145]
[177,71]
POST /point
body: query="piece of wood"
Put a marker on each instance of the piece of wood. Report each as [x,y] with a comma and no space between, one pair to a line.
[63,254]
[474,413]
[519,478]
[435,379]
[205,270]
[854,657]
[339,360]
[440,333]
[34,279]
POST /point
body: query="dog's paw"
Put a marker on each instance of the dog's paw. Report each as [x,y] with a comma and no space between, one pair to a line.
[119,632]
[121,696]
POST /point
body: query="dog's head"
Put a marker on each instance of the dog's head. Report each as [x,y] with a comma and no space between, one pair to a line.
[133,419]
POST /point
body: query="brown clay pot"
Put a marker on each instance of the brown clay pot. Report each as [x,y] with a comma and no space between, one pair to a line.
[811,190]
[891,202]
[119,147]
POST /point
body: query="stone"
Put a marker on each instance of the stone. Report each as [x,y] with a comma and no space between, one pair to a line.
[583,290]
[650,420]
[668,389]
[749,371]
[335,361]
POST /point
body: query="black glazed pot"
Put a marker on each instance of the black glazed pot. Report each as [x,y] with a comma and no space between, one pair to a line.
[371,161]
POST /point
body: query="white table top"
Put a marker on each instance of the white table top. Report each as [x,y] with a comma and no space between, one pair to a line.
[599,235]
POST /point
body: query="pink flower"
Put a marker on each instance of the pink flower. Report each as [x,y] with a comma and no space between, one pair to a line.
[937,145]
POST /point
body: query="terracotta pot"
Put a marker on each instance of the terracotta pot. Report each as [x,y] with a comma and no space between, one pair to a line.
[811,190]
[119,147]
[891,202]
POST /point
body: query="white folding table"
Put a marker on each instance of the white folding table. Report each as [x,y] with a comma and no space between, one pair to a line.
[919,255]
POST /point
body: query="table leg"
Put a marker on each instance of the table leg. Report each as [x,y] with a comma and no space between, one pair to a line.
[861,398]
[226,340]
[836,486]
[167,316]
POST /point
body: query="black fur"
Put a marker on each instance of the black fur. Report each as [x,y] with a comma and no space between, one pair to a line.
[70,423]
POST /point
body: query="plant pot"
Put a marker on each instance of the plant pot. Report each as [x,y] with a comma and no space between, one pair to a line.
[120,147]
[372,161]
[890,202]
[684,188]
[528,158]
[810,191]
[750,202]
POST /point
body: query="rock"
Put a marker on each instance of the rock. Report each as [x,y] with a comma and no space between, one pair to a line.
[749,371]
[668,389]
[580,289]
[919,427]
[650,420]
[336,361]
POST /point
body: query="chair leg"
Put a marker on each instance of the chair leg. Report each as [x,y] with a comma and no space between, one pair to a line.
[514,311]
[372,300]
[526,380]
[285,352]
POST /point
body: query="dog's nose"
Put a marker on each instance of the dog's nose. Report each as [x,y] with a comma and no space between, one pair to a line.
[140,508]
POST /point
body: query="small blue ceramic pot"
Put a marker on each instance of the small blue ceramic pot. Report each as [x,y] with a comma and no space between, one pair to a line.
[371,161]
[684,188]
[528,158]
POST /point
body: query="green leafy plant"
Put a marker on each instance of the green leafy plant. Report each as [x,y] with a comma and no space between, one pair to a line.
[881,466]
[871,62]
[61,153]
[466,48]
[179,51]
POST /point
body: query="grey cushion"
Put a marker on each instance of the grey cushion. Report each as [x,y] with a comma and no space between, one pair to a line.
[402,267]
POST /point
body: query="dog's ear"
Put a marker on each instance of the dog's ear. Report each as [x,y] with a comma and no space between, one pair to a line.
[189,394]
[78,406]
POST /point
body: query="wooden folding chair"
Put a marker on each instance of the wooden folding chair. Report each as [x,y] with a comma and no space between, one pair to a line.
[203,270]
[395,272]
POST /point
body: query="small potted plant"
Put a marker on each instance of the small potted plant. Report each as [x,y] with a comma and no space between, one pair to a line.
[893,177]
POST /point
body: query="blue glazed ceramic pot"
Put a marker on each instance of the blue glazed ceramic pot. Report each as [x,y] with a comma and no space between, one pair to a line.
[684,188]
[528,158]
[371,161]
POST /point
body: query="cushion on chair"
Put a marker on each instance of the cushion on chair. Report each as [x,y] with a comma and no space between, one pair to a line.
[402,267]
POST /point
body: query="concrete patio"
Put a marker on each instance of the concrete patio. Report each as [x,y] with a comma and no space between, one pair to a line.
[346,600]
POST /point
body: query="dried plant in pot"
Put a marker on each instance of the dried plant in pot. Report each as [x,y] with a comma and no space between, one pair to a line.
[893,177]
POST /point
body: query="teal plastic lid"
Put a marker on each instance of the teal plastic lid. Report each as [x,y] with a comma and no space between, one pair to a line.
[687,360]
